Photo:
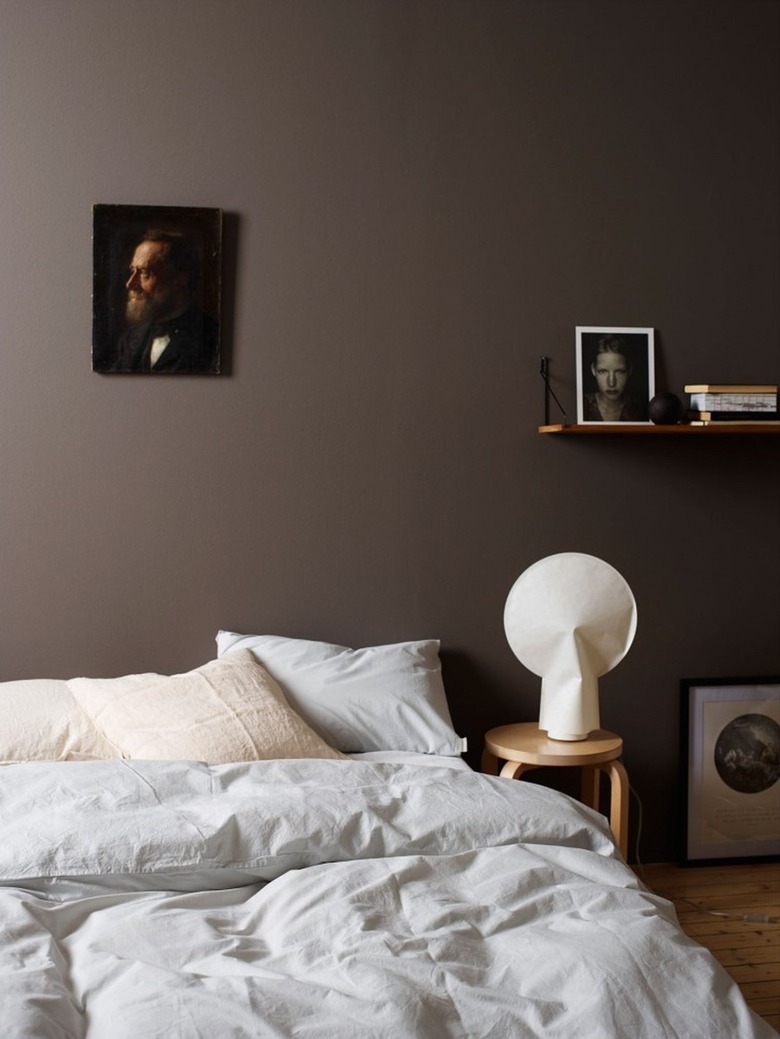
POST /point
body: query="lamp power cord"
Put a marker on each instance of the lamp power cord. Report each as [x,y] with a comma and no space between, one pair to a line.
[754,918]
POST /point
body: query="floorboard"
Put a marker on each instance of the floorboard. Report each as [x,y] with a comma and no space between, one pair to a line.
[712,903]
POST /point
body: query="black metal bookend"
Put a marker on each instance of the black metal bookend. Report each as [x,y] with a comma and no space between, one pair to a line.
[544,371]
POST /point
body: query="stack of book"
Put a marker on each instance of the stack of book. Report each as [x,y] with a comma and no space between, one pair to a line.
[737,402]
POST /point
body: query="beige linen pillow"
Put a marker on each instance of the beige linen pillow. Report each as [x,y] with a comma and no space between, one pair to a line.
[40,721]
[226,710]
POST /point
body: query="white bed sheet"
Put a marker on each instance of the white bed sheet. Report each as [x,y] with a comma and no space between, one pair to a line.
[407,757]
[334,899]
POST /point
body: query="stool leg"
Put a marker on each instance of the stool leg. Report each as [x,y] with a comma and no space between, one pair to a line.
[590,786]
[514,769]
[618,813]
[489,763]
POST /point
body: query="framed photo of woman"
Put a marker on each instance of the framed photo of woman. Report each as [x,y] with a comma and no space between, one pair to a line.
[615,374]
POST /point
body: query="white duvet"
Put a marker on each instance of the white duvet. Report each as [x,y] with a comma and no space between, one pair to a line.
[331,899]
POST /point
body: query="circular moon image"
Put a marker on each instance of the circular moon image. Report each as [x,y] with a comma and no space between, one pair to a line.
[747,753]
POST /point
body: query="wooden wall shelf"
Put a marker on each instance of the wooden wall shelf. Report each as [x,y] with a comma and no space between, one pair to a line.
[627,429]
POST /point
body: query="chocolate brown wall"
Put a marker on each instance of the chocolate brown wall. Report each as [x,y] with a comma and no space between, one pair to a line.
[421,199]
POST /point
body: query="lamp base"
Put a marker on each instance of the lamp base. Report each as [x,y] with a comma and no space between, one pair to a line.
[568,737]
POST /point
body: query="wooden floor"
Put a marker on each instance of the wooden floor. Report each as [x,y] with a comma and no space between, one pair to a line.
[749,950]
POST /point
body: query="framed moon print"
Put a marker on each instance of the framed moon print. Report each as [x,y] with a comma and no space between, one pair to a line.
[730,754]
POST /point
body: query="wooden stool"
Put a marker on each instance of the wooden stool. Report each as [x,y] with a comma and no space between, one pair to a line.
[524,746]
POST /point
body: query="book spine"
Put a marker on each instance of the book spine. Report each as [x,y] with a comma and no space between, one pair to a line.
[758,423]
[732,388]
[734,401]
[733,416]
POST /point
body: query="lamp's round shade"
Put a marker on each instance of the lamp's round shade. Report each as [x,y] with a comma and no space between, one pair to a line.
[570,618]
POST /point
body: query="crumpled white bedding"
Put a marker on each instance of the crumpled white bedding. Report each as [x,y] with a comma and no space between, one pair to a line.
[331,899]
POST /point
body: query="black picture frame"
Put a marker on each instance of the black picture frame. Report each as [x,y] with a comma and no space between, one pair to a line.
[194,344]
[730,770]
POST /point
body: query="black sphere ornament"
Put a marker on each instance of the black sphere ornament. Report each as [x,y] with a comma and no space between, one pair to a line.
[665,409]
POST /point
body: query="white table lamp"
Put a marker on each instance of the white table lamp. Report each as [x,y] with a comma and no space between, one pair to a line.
[570,618]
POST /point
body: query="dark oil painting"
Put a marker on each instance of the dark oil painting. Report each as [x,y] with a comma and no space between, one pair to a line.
[156,289]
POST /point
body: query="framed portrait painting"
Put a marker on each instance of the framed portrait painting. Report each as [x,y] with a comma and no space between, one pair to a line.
[156,289]
[730,756]
[615,373]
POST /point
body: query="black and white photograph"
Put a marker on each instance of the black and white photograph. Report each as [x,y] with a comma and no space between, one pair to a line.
[730,742]
[615,374]
[156,289]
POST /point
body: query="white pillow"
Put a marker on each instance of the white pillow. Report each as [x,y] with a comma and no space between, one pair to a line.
[380,698]
[40,721]
[227,710]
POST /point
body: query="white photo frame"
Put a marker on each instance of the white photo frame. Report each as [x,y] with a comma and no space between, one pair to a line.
[615,374]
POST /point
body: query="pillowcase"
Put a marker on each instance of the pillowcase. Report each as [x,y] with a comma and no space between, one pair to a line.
[227,710]
[380,698]
[40,721]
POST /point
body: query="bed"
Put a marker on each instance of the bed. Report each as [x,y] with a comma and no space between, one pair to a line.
[286,841]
